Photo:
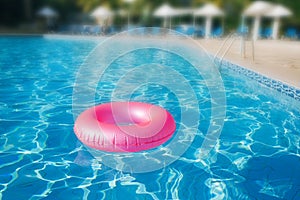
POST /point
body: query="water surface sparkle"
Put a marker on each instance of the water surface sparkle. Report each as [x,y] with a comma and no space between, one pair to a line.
[256,156]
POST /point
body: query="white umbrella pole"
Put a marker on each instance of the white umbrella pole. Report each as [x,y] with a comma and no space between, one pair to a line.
[208,26]
[256,27]
[170,22]
[275,30]
[165,22]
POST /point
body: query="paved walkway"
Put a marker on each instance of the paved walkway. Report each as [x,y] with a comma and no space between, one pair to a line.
[279,60]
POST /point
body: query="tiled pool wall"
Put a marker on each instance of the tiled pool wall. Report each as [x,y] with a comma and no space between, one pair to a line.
[274,84]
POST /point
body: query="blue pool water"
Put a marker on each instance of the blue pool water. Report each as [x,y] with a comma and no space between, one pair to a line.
[256,156]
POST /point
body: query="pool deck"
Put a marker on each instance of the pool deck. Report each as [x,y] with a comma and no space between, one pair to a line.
[279,60]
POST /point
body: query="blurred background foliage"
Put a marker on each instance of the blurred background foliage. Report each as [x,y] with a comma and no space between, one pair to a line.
[18,13]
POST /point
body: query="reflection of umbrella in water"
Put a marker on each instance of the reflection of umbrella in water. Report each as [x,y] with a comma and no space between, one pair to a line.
[209,11]
[257,9]
[101,14]
[277,12]
[48,13]
[166,11]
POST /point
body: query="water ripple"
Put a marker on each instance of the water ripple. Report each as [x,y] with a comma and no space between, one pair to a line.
[41,157]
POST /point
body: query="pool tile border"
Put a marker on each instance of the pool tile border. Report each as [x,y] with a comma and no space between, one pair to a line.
[274,84]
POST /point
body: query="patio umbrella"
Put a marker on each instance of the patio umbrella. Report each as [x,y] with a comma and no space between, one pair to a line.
[257,9]
[48,13]
[208,11]
[102,14]
[277,12]
[166,11]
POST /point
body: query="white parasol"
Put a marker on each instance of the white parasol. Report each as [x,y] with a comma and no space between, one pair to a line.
[277,12]
[48,13]
[208,11]
[166,11]
[257,9]
[102,14]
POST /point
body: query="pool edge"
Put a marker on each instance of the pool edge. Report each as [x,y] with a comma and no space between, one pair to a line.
[277,85]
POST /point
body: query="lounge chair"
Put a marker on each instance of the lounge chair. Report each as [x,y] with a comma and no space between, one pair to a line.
[186,30]
[217,32]
[291,33]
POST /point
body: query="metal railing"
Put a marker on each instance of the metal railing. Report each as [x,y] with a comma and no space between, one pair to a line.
[227,44]
[229,40]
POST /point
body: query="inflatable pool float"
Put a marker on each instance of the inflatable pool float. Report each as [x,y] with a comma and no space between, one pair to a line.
[124,126]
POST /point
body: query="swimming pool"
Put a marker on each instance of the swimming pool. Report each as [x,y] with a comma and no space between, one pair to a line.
[256,155]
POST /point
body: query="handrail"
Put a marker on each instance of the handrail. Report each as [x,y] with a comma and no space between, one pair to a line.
[231,38]
[230,45]
[223,44]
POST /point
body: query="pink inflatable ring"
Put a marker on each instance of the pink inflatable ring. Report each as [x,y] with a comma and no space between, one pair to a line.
[124,126]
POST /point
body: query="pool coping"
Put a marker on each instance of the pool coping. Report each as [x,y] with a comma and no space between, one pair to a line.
[277,85]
